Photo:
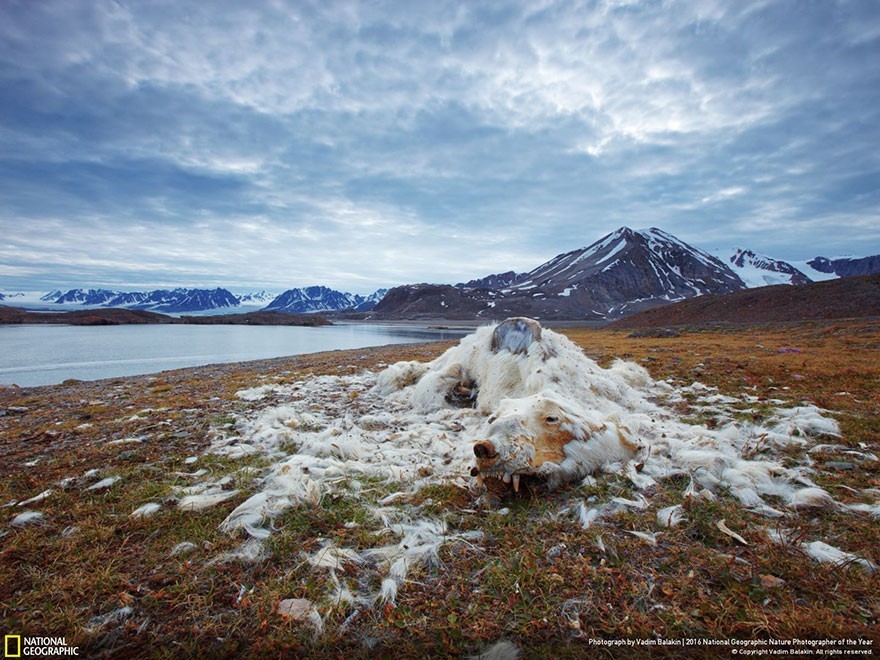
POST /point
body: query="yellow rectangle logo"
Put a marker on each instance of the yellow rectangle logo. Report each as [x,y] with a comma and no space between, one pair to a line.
[12,646]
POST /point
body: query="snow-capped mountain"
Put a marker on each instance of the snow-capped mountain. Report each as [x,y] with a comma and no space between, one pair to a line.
[160,300]
[84,297]
[758,270]
[631,265]
[322,299]
[23,298]
[845,267]
[369,302]
[625,271]
[256,298]
[190,301]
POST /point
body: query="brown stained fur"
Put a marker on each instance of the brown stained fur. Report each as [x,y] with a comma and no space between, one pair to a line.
[551,439]
[628,444]
[550,445]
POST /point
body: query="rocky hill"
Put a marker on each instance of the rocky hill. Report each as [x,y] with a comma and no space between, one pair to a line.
[121,316]
[850,297]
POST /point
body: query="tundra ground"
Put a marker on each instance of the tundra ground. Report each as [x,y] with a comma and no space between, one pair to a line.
[113,584]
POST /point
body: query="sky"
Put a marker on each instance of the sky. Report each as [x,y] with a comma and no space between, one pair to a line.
[366,144]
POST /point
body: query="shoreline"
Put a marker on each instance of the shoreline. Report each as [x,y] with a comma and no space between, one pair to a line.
[217,370]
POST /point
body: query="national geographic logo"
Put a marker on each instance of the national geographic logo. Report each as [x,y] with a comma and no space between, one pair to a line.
[16,646]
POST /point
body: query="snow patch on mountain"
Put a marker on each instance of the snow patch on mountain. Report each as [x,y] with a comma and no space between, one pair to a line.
[758,270]
[312,299]
[160,300]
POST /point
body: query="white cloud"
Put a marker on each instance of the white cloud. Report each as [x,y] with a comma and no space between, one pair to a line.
[367,144]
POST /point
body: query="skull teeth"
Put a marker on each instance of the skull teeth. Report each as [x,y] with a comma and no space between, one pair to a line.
[507,477]
[516,483]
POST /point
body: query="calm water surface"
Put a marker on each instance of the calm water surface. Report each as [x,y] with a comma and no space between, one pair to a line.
[47,354]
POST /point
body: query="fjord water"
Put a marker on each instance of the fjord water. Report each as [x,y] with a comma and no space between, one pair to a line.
[33,355]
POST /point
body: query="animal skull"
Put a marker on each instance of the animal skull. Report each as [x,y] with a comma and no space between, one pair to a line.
[542,435]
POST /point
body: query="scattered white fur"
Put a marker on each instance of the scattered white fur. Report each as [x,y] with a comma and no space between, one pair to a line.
[104,483]
[670,516]
[801,423]
[640,504]
[248,552]
[870,509]
[821,551]
[27,518]
[811,498]
[303,611]
[37,498]
[587,516]
[331,556]
[116,616]
[420,543]
[146,510]
[501,650]
[255,393]
[649,537]
[122,441]
[204,500]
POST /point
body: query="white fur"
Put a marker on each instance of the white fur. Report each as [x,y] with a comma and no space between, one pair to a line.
[147,510]
[501,650]
[334,434]
[27,518]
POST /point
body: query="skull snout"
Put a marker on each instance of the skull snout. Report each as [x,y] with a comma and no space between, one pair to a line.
[484,449]
[486,455]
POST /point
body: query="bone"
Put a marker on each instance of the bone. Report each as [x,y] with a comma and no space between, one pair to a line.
[515,335]
[516,483]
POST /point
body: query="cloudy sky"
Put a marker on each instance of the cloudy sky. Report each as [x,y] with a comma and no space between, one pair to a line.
[367,144]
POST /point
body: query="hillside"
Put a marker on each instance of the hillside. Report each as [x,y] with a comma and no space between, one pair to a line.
[113,316]
[850,297]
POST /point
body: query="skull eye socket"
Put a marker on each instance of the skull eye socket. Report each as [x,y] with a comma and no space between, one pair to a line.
[551,419]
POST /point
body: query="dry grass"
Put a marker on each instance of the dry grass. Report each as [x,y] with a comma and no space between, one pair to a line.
[536,579]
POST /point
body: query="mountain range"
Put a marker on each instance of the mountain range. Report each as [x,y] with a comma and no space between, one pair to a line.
[623,272]
[322,299]
[175,301]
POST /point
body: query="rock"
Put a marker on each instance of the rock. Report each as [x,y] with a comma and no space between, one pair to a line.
[771,581]
[296,609]
[183,548]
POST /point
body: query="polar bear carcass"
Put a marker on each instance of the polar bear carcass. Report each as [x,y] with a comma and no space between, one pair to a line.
[551,412]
